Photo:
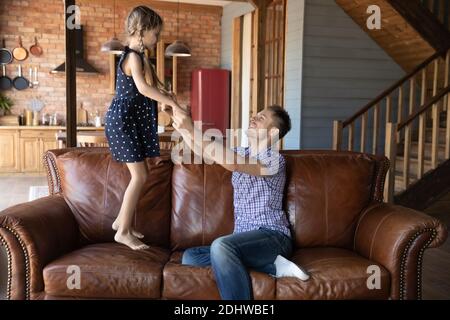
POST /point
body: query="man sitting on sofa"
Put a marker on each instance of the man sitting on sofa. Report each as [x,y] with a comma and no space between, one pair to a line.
[261,239]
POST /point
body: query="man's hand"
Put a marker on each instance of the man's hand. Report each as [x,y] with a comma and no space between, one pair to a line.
[182,121]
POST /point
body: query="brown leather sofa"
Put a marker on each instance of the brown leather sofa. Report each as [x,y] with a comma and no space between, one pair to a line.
[333,199]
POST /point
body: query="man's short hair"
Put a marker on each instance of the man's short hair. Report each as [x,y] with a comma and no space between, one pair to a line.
[282,120]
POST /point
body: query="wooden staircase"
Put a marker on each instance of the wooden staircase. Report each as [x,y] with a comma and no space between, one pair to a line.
[440,9]
[410,33]
[410,121]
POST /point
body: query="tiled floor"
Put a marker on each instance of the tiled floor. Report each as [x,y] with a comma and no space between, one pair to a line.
[15,189]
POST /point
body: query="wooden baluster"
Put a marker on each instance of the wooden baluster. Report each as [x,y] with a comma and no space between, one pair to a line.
[390,152]
[376,121]
[422,118]
[446,75]
[447,131]
[406,155]
[388,109]
[435,117]
[337,135]
[400,109]
[421,146]
[408,130]
[412,93]
[363,131]
[351,140]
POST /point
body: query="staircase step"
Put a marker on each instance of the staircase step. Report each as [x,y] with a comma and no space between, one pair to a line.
[414,150]
[412,165]
[399,187]
[441,135]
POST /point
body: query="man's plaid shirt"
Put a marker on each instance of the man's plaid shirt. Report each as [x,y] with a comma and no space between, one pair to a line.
[258,200]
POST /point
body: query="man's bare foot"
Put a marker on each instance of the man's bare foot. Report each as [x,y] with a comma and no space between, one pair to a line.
[137,234]
[129,240]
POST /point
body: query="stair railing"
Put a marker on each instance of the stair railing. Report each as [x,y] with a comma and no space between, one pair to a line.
[394,104]
[440,9]
[435,105]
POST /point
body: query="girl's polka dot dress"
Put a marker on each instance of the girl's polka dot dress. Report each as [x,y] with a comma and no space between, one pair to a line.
[131,123]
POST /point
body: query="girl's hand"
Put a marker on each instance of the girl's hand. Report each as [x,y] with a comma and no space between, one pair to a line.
[167,109]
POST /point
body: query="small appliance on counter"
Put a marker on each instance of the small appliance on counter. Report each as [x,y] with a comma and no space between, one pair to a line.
[82,116]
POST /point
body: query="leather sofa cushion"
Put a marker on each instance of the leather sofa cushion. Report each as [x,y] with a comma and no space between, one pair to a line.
[202,205]
[93,185]
[197,283]
[335,274]
[326,193]
[108,270]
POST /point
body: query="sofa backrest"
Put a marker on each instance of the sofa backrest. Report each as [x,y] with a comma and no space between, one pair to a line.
[183,206]
[325,194]
[93,186]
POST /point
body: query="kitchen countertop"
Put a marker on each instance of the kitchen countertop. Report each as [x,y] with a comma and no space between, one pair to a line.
[49,128]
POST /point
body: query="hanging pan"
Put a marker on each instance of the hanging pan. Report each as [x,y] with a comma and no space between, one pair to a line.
[20,53]
[5,81]
[35,49]
[5,54]
[20,83]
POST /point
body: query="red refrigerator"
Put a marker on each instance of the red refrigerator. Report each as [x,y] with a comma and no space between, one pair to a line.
[210,98]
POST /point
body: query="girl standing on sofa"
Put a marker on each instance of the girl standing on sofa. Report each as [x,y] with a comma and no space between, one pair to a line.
[131,121]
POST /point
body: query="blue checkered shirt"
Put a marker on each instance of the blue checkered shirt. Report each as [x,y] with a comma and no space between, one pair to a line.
[258,200]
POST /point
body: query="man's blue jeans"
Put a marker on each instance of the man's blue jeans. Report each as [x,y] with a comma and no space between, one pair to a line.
[231,255]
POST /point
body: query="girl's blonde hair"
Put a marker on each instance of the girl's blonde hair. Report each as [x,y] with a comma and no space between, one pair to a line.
[139,20]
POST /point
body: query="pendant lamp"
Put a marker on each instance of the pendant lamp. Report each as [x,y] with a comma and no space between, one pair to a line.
[113,46]
[178,48]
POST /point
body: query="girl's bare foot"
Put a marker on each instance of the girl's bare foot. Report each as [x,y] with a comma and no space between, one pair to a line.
[137,234]
[129,240]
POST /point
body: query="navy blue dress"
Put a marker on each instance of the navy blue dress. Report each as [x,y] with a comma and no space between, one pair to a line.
[131,123]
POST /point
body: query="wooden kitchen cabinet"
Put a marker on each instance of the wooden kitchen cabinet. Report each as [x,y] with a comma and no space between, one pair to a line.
[9,151]
[29,151]
[33,145]
[22,148]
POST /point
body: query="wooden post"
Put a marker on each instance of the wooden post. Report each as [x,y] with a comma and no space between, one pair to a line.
[112,80]
[447,131]
[390,153]
[376,125]
[236,74]
[435,136]
[261,14]
[363,132]
[71,85]
[351,138]
[175,75]
[337,135]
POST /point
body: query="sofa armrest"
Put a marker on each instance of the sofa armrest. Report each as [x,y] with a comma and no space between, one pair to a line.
[396,237]
[33,234]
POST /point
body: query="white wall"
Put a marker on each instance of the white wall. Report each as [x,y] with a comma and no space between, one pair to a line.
[343,69]
[293,70]
[230,12]
[332,68]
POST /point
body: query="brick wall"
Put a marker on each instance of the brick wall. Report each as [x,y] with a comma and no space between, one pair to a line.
[199,27]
